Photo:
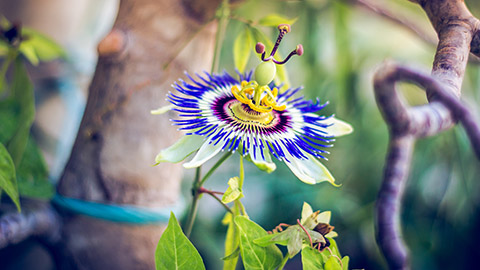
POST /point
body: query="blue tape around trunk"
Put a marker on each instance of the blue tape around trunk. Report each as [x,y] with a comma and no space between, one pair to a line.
[129,214]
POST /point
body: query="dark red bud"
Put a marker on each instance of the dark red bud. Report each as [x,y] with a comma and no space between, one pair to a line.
[299,49]
[260,48]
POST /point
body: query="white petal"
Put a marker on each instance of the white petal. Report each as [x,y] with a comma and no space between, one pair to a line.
[180,150]
[206,152]
[331,234]
[310,170]
[338,127]
[324,217]
[306,212]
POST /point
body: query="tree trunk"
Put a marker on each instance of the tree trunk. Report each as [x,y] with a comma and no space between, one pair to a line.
[118,138]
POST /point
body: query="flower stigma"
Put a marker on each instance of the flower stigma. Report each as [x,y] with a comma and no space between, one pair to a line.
[257,94]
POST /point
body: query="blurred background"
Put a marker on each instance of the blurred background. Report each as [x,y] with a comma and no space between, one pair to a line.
[345,42]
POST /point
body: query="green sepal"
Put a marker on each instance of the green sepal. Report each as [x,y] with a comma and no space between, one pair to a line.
[180,150]
[234,190]
[266,165]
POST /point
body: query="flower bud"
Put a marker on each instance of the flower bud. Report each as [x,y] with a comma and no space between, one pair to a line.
[299,49]
[260,48]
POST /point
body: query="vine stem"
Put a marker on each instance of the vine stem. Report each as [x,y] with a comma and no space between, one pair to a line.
[197,186]
[193,209]
[213,194]
[222,15]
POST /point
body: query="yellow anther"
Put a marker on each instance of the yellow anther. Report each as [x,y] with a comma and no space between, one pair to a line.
[275,91]
[239,95]
[280,108]
[265,105]
[261,109]
[249,90]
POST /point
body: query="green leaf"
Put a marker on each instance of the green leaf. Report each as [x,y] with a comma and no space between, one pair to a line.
[180,150]
[32,174]
[292,237]
[233,191]
[8,181]
[267,240]
[4,22]
[294,243]
[45,48]
[22,91]
[232,239]
[234,255]
[253,255]
[332,264]
[9,119]
[334,247]
[28,51]
[242,47]
[175,251]
[312,259]
[3,48]
[275,20]
[345,262]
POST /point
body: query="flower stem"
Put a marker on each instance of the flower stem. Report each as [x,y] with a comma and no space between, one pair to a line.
[197,185]
[223,14]
[193,209]
[209,173]
[212,193]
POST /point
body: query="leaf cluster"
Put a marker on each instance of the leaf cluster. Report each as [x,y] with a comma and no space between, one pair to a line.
[256,247]
[22,168]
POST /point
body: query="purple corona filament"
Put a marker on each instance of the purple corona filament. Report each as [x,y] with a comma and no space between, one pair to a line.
[283,29]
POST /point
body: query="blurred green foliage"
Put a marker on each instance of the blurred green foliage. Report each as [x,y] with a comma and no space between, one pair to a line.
[344,45]
[20,157]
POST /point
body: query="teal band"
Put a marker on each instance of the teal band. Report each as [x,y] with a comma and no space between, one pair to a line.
[117,213]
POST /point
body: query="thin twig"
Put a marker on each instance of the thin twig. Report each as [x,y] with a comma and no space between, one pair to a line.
[380,8]
[305,230]
[213,194]
[41,221]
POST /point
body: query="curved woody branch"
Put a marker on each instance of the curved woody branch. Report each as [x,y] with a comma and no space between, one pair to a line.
[41,221]
[458,33]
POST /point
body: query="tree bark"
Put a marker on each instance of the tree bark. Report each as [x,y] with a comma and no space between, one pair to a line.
[118,138]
